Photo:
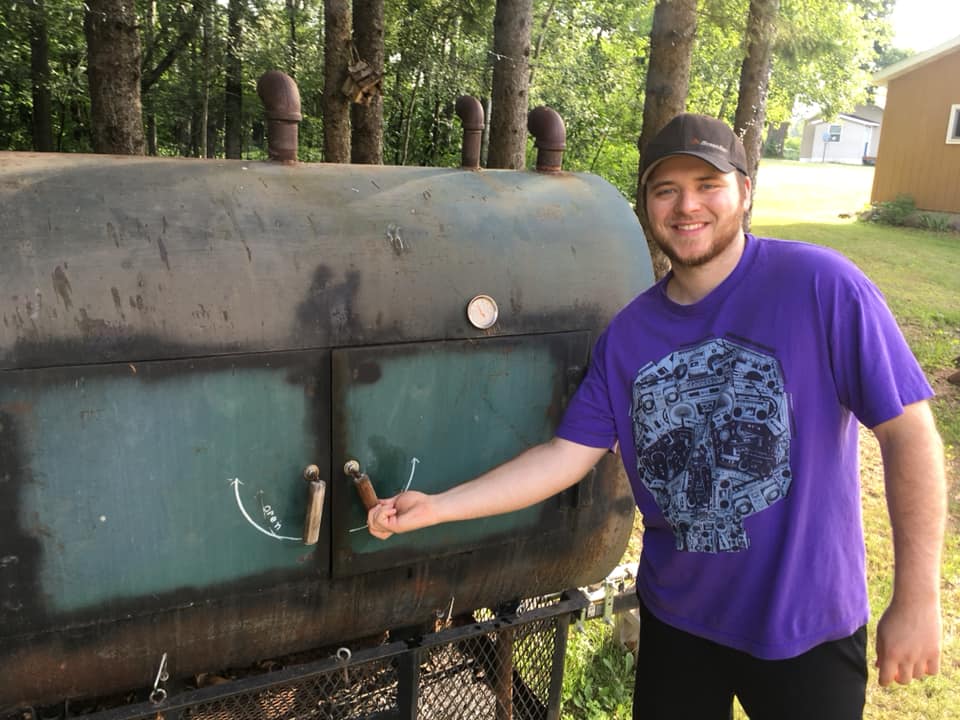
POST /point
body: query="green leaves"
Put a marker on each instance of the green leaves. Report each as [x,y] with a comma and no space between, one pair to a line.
[599,676]
[589,62]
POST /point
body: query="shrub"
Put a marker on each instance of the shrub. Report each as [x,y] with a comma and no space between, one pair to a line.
[791,148]
[894,212]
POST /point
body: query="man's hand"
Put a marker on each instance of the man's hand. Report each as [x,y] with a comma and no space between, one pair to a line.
[407,511]
[908,642]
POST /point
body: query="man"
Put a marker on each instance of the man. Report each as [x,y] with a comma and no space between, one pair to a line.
[732,389]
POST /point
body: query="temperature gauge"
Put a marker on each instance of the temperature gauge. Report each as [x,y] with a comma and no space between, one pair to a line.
[482,312]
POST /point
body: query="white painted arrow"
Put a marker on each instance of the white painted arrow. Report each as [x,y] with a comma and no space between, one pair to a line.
[236,489]
[413,469]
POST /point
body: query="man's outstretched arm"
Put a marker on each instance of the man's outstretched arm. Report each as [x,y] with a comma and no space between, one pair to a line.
[532,476]
[909,633]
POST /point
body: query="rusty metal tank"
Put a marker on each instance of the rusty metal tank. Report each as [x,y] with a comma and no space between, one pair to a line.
[181,339]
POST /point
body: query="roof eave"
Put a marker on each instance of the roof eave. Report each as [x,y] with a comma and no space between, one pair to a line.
[912,63]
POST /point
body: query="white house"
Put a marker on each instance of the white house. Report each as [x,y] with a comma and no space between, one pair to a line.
[850,138]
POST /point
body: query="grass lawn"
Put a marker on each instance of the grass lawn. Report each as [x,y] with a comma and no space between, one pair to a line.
[919,273]
[917,270]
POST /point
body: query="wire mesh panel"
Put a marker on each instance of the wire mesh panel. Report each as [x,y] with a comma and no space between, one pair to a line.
[503,667]
[501,674]
[355,691]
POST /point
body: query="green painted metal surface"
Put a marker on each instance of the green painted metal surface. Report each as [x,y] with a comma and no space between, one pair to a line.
[205,488]
[430,416]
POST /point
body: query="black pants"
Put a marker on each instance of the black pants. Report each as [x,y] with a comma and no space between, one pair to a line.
[684,677]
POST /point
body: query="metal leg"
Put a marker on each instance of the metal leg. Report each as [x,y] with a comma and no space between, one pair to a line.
[408,684]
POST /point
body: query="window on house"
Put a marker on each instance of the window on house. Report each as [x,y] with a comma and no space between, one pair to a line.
[953,125]
[835,133]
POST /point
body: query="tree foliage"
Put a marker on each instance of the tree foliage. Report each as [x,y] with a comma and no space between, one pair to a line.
[591,69]
[70,100]
[588,60]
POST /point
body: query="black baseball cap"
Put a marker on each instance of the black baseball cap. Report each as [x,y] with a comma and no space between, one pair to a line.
[701,136]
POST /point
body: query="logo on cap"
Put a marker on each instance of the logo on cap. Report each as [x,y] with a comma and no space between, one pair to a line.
[698,141]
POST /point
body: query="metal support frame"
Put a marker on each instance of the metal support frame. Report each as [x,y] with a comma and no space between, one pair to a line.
[391,679]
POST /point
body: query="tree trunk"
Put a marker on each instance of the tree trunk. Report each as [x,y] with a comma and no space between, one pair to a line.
[336,57]
[185,33]
[485,134]
[724,100]
[754,79]
[40,78]
[233,86]
[206,68]
[148,111]
[668,80]
[409,116]
[541,37]
[433,144]
[113,67]
[367,139]
[511,76]
[292,8]
[776,137]
[396,120]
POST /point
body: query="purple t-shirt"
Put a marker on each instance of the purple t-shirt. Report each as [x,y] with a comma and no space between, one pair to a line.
[737,422]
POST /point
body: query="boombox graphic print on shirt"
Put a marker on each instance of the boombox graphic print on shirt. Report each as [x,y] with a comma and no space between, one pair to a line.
[711,425]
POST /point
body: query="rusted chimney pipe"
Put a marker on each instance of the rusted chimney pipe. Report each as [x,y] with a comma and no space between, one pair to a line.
[546,126]
[470,112]
[281,102]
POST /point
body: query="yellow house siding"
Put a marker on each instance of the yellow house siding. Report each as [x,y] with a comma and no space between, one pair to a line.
[914,157]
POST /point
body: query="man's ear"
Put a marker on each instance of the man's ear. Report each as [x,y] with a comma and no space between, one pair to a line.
[747,193]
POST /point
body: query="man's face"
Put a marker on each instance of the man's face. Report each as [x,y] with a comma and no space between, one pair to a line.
[694,210]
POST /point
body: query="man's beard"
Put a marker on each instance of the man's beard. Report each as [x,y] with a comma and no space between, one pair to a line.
[724,236]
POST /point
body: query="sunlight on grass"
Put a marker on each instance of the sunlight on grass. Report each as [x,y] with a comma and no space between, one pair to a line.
[788,192]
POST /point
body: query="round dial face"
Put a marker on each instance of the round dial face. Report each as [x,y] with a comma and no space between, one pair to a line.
[482,312]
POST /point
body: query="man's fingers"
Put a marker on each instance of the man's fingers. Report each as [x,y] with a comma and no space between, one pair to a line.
[378,520]
[906,672]
[888,673]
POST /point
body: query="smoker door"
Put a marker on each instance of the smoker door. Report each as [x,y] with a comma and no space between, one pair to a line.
[130,488]
[428,416]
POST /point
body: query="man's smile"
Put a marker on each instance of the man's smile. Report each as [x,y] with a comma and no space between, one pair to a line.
[689,227]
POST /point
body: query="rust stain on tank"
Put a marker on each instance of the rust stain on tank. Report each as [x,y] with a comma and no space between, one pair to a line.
[163,251]
[93,327]
[237,227]
[17,407]
[117,302]
[61,284]
[112,232]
